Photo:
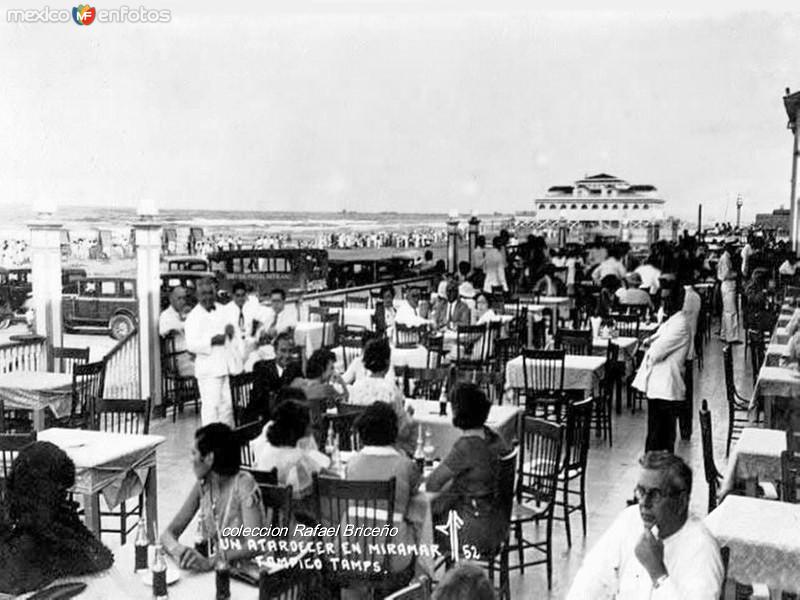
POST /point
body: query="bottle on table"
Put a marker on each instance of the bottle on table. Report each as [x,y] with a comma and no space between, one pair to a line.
[141,546]
[201,543]
[428,448]
[222,575]
[443,402]
[419,451]
[329,441]
[336,457]
[159,571]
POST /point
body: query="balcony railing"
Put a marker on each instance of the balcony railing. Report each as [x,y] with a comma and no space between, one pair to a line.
[122,368]
[25,355]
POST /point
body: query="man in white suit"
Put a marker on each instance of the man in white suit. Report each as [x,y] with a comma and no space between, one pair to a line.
[661,379]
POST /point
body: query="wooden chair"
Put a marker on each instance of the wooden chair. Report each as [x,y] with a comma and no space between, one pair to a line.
[790,477]
[277,501]
[330,330]
[15,421]
[537,483]
[627,325]
[241,389]
[265,477]
[419,590]
[576,455]
[10,445]
[292,583]
[504,501]
[334,306]
[87,386]
[436,351]
[782,413]
[604,408]
[758,349]
[344,426]
[245,434]
[352,344]
[425,383]
[357,301]
[315,313]
[408,336]
[122,416]
[713,476]
[491,382]
[738,405]
[574,341]
[367,504]
[543,377]
[176,389]
[66,358]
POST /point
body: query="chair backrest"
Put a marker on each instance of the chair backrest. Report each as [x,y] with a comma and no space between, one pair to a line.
[725,555]
[10,445]
[627,325]
[490,350]
[357,301]
[344,426]
[540,460]
[293,583]
[425,383]
[543,371]
[315,313]
[2,416]
[577,434]
[244,434]
[352,343]
[435,346]
[505,478]
[241,390]
[265,477]
[122,415]
[491,382]
[333,305]
[88,381]
[367,504]
[574,341]
[758,350]
[790,475]
[277,499]
[730,385]
[66,358]
[408,336]
[418,590]
[709,466]
[612,364]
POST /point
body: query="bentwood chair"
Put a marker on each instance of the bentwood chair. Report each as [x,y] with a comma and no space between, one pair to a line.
[176,389]
[87,386]
[66,358]
[10,445]
[408,336]
[543,377]
[574,341]
[490,381]
[576,456]
[537,483]
[351,341]
[277,500]
[627,325]
[425,384]
[713,476]
[419,590]
[436,351]
[334,306]
[362,504]
[241,389]
[244,434]
[131,417]
[343,423]
[470,345]
[738,405]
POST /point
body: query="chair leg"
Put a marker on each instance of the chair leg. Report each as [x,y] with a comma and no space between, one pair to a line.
[566,512]
[122,533]
[505,588]
[549,546]
[583,503]
[730,432]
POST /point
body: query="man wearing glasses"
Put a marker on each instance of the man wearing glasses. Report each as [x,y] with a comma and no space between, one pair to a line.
[654,550]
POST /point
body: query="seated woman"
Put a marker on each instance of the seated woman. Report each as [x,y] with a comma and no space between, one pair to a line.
[286,447]
[322,383]
[466,476]
[379,460]
[378,388]
[607,298]
[224,495]
[41,536]
[483,314]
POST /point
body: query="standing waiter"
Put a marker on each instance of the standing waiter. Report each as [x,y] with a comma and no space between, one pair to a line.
[726,274]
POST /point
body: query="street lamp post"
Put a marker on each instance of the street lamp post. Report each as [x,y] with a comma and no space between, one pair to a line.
[452,241]
[791,101]
[739,211]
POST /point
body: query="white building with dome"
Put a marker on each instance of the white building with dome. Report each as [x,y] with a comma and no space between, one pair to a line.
[601,205]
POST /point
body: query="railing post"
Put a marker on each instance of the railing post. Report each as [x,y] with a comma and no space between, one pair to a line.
[148,259]
[473,232]
[46,277]
[452,242]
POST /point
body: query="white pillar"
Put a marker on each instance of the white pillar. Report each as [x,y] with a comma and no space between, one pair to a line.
[148,259]
[46,280]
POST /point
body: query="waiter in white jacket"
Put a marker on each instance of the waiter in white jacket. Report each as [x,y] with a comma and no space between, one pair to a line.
[211,337]
[660,377]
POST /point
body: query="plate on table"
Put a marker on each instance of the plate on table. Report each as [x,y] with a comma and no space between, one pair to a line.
[173,575]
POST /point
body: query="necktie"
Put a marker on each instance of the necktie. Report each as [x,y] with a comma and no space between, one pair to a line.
[241,319]
[449,312]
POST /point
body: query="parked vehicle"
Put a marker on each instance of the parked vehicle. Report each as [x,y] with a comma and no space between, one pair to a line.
[294,270]
[106,302]
[187,263]
[188,280]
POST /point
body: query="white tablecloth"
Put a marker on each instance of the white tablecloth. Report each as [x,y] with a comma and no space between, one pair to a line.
[776,381]
[31,390]
[774,354]
[361,317]
[503,419]
[580,372]
[756,455]
[763,539]
[308,334]
[627,350]
[780,336]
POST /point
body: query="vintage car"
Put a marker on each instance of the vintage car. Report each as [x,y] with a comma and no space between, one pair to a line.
[16,286]
[102,302]
[187,263]
[188,280]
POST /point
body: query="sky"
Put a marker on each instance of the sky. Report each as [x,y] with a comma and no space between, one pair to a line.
[403,106]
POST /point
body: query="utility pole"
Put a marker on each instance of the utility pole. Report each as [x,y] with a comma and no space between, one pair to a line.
[791,101]
[739,210]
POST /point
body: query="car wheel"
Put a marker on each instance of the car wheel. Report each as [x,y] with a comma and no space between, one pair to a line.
[120,326]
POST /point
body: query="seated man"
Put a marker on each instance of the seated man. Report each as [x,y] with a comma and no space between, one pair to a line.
[451,311]
[322,383]
[654,549]
[270,376]
[633,294]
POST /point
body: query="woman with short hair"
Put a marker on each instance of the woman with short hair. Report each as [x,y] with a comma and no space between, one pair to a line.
[224,495]
[467,475]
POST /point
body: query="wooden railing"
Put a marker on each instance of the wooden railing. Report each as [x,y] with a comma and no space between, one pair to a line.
[23,356]
[122,368]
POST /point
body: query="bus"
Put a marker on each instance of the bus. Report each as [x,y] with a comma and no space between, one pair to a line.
[294,270]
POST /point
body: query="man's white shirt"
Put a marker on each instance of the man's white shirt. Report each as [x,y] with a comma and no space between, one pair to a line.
[408,315]
[211,361]
[612,571]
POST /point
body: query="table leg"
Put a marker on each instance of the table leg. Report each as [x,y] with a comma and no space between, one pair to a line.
[91,507]
[151,503]
[38,419]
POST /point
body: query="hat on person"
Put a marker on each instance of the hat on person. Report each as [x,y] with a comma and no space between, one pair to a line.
[441,291]
[634,279]
[466,290]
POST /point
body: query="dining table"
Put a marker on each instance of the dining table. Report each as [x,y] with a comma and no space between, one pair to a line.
[772,382]
[37,392]
[580,372]
[309,335]
[117,465]
[755,457]
[762,536]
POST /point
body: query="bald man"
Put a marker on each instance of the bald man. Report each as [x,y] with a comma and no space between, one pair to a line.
[171,324]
